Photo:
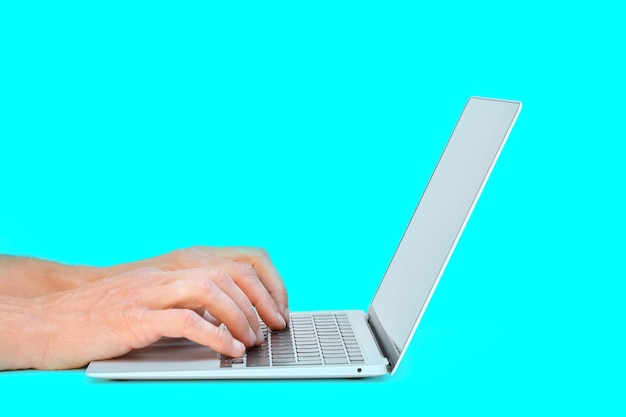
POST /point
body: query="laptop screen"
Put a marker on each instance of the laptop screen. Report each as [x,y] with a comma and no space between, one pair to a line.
[438,221]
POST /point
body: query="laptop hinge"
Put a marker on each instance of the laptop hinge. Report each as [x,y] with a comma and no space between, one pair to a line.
[389,349]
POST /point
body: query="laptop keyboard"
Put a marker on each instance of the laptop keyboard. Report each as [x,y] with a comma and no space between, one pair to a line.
[309,339]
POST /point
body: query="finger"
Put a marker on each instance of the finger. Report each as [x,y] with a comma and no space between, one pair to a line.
[194,289]
[200,311]
[204,256]
[209,317]
[224,280]
[187,324]
[259,259]
[246,278]
[225,283]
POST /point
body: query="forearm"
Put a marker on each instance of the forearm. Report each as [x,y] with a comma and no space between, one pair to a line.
[54,316]
[30,277]
[22,334]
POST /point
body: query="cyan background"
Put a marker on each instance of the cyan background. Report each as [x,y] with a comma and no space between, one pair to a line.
[128,130]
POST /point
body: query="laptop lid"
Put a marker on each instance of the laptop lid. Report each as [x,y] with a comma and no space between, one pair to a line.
[438,221]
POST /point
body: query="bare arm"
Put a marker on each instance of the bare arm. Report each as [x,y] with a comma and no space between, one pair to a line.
[84,317]
[20,333]
[251,268]
[30,277]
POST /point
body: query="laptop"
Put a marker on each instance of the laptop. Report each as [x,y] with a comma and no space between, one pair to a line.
[354,344]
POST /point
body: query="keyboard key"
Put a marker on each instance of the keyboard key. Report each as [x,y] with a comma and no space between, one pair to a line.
[310,362]
[258,362]
[336,361]
[306,341]
[283,358]
[333,355]
[331,346]
[308,355]
[307,349]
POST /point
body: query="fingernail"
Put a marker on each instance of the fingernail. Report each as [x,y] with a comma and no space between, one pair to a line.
[281,320]
[287,314]
[260,337]
[238,347]
[252,335]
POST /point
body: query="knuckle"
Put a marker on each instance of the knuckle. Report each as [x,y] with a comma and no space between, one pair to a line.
[188,318]
[241,316]
[247,270]
[281,293]
[194,252]
[250,312]
[185,258]
[146,272]
[213,278]
[266,298]
[131,294]
[220,276]
[221,337]
[197,250]
[206,285]
[180,257]
[261,252]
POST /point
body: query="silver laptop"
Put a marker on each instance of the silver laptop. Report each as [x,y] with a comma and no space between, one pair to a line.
[348,344]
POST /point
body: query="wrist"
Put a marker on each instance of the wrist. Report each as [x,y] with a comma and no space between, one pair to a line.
[30,277]
[23,334]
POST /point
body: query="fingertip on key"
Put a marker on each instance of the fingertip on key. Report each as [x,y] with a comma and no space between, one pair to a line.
[253,336]
[260,337]
[239,348]
[281,320]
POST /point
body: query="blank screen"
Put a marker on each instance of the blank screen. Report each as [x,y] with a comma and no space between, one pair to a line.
[440,216]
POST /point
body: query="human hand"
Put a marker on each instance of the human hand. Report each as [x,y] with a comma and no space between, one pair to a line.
[250,268]
[112,316]
[88,313]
